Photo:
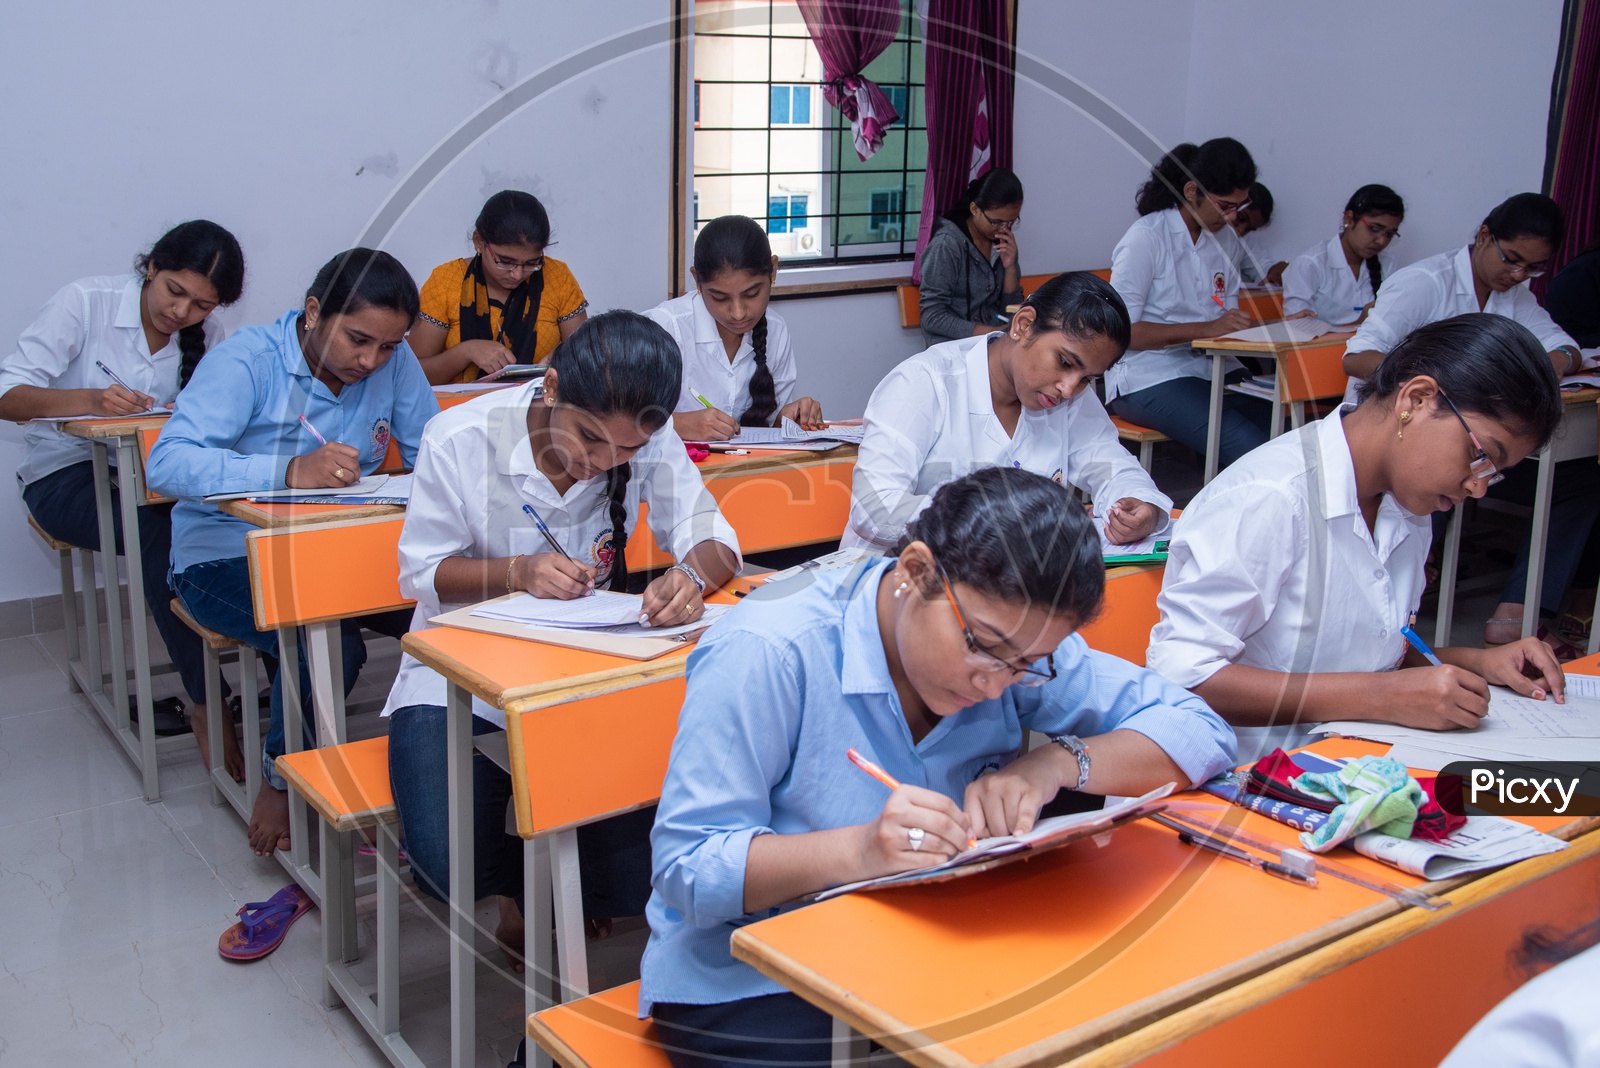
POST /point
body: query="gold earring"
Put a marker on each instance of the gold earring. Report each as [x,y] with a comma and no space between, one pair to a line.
[1405,417]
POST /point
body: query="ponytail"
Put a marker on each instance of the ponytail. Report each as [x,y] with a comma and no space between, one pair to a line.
[763,391]
[1374,199]
[1221,165]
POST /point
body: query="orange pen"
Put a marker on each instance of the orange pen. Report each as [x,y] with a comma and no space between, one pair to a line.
[1220,302]
[884,777]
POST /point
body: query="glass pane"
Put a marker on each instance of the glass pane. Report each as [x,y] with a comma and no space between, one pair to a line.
[722,59]
[730,152]
[786,20]
[717,103]
[795,60]
[731,16]
[730,196]
[798,148]
[890,66]
[800,111]
[780,104]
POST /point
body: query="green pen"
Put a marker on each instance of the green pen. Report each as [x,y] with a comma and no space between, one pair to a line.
[701,398]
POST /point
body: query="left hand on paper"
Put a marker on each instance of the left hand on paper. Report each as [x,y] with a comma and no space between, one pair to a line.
[806,411]
[1008,801]
[1130,520]
[672,600]
[1527,666]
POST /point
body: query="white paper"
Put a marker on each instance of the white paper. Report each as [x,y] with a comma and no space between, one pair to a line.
[791,436]
[1143,547]
[364,487]
[795,432]
[1297,330]
[100,418]
[1513,722]
[479,386]
[1485,842]
[603,608]
[1583,686]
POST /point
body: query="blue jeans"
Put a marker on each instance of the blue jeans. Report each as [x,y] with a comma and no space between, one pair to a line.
[1574,506]
[769,1029]
[613,854]
[1181,409]
[62,502]
[217,595]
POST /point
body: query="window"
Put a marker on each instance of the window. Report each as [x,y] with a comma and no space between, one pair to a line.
[791,105]
[765,143]
[786,214]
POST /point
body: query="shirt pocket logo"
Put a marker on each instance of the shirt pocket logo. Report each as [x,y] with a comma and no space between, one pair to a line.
[602,555]
[380,438]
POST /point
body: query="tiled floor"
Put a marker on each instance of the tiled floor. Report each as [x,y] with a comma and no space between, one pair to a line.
[110,909]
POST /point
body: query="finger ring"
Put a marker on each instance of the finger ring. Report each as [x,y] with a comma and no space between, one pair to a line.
[338,472]
[916,834]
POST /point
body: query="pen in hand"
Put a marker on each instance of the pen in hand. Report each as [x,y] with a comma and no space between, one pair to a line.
[884,777]
[144,398]
[313,430]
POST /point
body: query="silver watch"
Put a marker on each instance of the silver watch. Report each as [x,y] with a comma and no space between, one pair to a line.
[1075,745]
[694,576]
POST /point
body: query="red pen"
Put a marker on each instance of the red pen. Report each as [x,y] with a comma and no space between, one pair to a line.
[884,777]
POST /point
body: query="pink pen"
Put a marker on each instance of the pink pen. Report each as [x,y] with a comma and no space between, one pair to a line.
[307,424]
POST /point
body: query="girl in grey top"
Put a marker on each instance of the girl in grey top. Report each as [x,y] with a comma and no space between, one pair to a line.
[969,268]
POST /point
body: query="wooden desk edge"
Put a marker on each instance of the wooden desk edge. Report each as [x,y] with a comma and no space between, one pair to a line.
[625,676]
[246,509]
[1162,1020]
[1267,348]
[755,464]
[110,428]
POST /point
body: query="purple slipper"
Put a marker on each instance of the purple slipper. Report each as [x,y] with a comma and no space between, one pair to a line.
[262,924]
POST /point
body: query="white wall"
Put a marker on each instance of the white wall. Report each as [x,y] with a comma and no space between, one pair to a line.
[291,124]
[1446,102]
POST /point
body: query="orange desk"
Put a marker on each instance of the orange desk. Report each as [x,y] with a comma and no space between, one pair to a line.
[111,701]
[773,500]
[1105,955]
[1219,349]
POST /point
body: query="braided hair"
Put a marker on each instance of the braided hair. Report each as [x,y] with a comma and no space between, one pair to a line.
[1375,199]
[737,243]
[213,253]
[620,363]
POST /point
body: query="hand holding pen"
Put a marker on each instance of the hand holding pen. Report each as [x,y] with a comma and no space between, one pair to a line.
[332,465]
[119,398]
[552,574]
[916,828]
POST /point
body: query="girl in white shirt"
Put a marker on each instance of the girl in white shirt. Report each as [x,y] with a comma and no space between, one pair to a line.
[121,345]
[738,366]
[1176,270]
[583,459]
[1019,397]
[1292,573]
[1338,280]
[1511,247]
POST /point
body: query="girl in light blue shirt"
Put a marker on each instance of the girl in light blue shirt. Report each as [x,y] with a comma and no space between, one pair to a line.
[342,362]
[933,663]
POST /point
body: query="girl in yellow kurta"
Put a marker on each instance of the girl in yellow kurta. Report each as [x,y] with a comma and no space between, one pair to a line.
[510,303]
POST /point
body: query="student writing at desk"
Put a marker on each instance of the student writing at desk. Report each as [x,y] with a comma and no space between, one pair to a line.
[1292,573]
[1176,273]
[738,363]
[1021,397]
[1512,246]
[120,345]
[932,663]
[1338,280]
[342,363]
[580,460]
[1255,264]
[509,303]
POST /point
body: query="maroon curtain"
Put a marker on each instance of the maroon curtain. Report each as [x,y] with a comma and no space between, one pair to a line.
[1572,153]
[849,34]
[970,93]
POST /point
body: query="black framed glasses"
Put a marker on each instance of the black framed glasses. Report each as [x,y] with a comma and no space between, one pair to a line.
[509,265]
[1481,468]
[986,659]
[1527,270]
[1379,230]
[1000,224]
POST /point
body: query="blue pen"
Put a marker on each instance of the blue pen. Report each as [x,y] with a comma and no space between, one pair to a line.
[1418,644]
[549,537]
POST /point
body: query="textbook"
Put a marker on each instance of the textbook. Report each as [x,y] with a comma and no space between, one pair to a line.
[789,436]
[991,853]
[373,489]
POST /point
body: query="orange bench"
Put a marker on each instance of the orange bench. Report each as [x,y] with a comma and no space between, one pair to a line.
[600,1031]
[1143,436]
[909,297]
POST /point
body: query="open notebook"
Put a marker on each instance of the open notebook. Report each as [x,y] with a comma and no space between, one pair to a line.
[1048,834]
[1296,330]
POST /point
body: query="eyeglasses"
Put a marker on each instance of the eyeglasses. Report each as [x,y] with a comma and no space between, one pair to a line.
[1380,230]
[1228,207]
[1527,270]
[985,659]
[1482,468]
[531,266]
[1000,224]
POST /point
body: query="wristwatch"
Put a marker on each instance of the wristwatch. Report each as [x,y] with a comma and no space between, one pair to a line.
[1075,745]
[694,576]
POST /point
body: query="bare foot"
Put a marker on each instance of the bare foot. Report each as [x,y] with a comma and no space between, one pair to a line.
[510,933]
[1504,625]
[269,821]
[232,758]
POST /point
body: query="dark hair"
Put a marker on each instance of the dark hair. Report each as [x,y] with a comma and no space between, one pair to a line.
[737,243]
[1487,364]
[1082,304]
[1375,199]
[620,363]
[1221,165]
[1528,215]
[512,217]
[205,248]
[1261,202]
[994,188]
[1018,536]
[365,277]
